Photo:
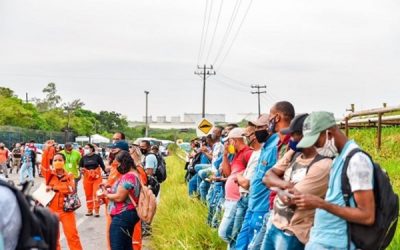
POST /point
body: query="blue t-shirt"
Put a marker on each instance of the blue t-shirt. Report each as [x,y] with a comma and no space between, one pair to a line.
[331,230]
[151,162]
[259,193]
[204,159]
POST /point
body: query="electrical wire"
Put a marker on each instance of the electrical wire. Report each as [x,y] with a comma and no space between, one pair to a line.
[202,33]
[228,30]
[236,35]
[215,31]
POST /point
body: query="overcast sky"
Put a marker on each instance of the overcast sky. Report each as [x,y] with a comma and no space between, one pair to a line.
[319,55]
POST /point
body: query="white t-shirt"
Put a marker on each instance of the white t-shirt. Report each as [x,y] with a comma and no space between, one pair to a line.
[251,166]
[360,171]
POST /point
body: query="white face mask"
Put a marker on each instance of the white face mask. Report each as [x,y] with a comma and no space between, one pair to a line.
[329,149]
[87,151]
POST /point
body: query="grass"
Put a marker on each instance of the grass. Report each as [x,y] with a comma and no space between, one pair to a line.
[180,221]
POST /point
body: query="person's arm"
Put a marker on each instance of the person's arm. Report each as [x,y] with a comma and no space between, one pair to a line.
[64,186]
[273,177]
[225,165]
[101,163]
[243,182]
[363,214]
[207,153]
[120,195]
[81,165]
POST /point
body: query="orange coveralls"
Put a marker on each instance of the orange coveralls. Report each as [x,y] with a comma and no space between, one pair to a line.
[62,187]
[137,232]
[91,182]
[48,154]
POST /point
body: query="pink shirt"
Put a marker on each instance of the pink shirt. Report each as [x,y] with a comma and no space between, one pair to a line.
[238,165]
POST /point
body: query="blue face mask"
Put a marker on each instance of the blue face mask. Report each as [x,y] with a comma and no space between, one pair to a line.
[272,126]
[293,145]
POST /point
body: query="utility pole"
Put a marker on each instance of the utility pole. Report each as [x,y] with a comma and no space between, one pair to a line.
[204,74]
[147,115]
[26,97]
[258,92]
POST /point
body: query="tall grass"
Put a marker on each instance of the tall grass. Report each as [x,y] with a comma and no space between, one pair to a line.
[180,222]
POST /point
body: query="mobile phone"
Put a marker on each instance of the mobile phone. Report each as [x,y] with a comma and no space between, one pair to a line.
[282,192]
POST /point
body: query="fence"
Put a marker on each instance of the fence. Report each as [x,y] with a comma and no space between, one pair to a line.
[372,118]
[10,135]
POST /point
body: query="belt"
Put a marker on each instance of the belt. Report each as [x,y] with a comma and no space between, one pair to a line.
[288,232]
[244,194]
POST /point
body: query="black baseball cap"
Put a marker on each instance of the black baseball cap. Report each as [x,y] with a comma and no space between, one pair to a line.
[296,125]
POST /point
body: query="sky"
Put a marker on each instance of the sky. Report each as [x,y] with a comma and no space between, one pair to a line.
[317,54]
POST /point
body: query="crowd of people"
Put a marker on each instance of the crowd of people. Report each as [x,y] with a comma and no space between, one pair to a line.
[276,183]
[127,169]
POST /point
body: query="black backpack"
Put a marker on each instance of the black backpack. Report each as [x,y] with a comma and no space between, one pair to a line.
[380,234]
[161,171]
[39,226]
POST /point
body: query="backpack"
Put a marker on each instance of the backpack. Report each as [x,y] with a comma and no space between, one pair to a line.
[147,204]
[161,171]
[40,226]
[380,234]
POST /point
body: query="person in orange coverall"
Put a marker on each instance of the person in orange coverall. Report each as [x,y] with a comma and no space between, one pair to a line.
[47,156]
[63,184]
[113,176]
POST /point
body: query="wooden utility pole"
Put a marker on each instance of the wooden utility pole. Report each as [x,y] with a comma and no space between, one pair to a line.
[207,71]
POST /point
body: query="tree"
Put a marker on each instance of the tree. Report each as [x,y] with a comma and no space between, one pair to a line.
[51,99]
[6,92]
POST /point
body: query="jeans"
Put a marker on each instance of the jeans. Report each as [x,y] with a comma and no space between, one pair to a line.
[26,171]
[4,169]
[215,196]
[252,225]
[121,230]
[226,226]
[261,235]
[276,239]
[317,246]
[192,184]
[241,209]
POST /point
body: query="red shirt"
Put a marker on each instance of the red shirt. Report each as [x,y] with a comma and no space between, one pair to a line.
[238,165]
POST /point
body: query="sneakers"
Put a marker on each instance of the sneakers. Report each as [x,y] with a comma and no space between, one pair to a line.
[96,214]
[89,213]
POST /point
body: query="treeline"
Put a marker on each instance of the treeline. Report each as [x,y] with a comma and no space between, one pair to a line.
[51,113]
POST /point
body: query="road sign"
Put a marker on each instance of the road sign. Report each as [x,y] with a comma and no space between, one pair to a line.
[205,126]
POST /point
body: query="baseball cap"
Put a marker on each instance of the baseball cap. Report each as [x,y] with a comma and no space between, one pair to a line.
[236,133]
[263,120]
[296,125]
[121,144]
[313,125]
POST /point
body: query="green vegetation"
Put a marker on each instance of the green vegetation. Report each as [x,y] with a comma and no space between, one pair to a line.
[180,222]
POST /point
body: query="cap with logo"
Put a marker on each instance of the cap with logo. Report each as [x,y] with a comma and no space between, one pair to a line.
[296,125]
[314,124]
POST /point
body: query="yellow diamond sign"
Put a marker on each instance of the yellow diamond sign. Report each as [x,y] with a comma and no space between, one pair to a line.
[205,126]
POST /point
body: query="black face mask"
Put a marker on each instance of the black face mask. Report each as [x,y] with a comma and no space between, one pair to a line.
[122,169]
[261,135]
[144,151]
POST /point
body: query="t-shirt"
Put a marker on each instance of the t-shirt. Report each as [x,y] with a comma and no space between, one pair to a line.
[130,182]
[92,162]
[330,230]
[151,162]
[314,182]
[251,166]
[259,193]
[3,156]
[238,165]
[10,219]
[16,153]
[72,160]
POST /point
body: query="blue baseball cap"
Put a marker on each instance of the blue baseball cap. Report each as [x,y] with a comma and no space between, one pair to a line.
[121,144]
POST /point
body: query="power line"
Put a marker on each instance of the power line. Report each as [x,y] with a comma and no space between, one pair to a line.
[207,71]
[231,86]
[202,33]
[236,35]
[207,28]
[258,92]
[229,29]
[215,31]
[234,80]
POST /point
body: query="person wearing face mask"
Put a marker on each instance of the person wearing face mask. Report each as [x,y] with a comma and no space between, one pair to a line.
[261,198]
[62,184]
[121,207]
[90,166]
[243,180]
[73,158]
[237,147]
[296,172]
[330,224]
